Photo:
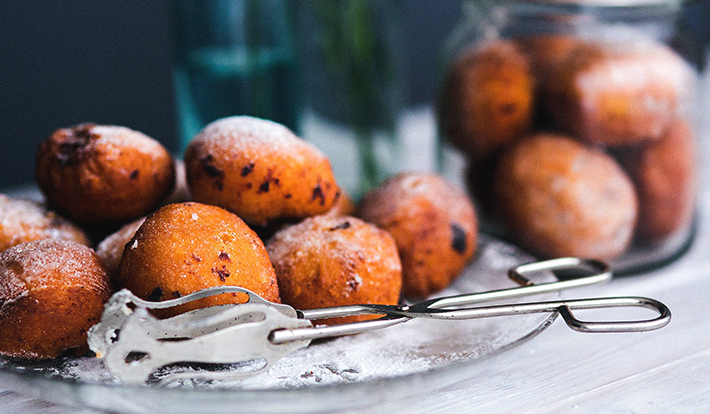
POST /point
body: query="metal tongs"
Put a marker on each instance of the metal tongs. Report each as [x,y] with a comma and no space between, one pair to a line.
[251,337]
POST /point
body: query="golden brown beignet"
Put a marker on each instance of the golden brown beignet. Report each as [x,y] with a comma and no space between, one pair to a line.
[23,221]
[561,198]
[545,52]
[183,248]
[664,173]
[259,170]
[344,206]
[486,100]
[433,224]
[51,293]
[97,174]
[110,250]
[333,261]
[619,94]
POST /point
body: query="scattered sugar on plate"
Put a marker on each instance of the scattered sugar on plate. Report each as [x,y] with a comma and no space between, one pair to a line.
[412,347]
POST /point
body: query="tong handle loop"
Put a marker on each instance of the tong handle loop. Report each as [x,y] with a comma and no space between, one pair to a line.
[599,273]
[564,307]
[602,273]
[663,318]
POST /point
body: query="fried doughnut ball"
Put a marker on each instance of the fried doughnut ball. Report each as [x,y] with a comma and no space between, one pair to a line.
[486,100]
[433,224]
[344,206]
[561,198]
[545,52]
[110,250]
[259,170]
[23,221]
[183,248]
[51,293]
[332,261]
[619,94]
[664,173]
[98,174]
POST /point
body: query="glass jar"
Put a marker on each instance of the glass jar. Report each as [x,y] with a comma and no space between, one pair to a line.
[233,57]
[576,121]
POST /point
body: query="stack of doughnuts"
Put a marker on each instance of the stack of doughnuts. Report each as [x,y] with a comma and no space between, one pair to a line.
[258,207]
[575,146]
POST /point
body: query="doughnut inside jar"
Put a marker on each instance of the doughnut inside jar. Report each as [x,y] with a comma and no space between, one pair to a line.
[578,202]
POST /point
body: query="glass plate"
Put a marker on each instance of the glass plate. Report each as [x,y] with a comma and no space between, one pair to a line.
[354,372]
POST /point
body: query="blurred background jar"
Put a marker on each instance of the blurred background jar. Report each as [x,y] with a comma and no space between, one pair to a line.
[575,124]
[234,57]
[358,109]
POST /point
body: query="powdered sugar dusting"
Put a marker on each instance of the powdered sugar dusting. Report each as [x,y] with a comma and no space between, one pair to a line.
[24,220]
[255,134]
[414,347]
[313,237]
[401,190]
[78,264]
[120,137]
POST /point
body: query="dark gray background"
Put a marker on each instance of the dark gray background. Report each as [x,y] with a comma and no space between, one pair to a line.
[106,61]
